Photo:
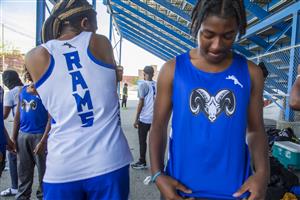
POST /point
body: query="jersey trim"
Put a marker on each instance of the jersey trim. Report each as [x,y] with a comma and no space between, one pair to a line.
[47,73]
[99,62]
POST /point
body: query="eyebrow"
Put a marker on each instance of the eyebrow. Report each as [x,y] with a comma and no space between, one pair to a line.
[212,32]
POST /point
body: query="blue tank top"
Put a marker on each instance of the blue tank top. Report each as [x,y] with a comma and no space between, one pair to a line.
[2,137]
[207,150]
[33,115]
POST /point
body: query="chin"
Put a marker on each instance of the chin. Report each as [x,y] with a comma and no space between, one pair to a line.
[215,60]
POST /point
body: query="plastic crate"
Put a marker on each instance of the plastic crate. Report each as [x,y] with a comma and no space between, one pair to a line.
[288,154]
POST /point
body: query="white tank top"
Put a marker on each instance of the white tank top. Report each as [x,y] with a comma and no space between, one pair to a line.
[146,114]
[80,93]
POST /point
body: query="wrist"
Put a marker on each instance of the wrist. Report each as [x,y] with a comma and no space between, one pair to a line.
[152,179]
[263,175]
[43,141]
[155,176]
[13,139]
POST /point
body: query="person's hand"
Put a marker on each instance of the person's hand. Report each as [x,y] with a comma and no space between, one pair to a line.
[256,185]
[169,186]
[11,145]
[136,124]
[40,148]
[1,157]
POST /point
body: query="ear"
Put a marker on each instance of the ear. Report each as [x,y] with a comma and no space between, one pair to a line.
[84,24]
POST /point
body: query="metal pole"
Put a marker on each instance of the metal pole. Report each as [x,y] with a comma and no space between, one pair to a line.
[3,58]
[40,18]
[94,4]
[110,27]
[120,56]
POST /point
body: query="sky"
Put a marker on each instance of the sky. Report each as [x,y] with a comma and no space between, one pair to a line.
[19,19]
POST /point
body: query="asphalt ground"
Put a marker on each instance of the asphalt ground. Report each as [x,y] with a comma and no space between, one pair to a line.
[138,191]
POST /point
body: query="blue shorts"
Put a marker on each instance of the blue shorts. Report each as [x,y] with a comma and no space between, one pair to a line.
[111,186]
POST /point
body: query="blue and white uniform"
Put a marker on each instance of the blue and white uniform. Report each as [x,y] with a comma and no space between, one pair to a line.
[33,120]
[33,115]
[11,99]
[207,151]
[86,139]
[147,91]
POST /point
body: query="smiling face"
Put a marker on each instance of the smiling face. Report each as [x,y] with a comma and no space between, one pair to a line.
[216,36]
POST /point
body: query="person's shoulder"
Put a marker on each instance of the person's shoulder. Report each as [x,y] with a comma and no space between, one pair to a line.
[254,70]
[16,89]
[169,65]
[37,59]
[36,53]
[167,70]
[101,40]
[143,85]
[256,74]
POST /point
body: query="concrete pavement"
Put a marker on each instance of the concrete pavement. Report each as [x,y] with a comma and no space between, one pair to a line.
[138,190]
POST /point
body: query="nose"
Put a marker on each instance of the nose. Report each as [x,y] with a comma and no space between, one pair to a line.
[216,45]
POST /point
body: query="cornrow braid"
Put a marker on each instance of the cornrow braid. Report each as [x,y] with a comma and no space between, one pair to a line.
[222,8]
[65,12]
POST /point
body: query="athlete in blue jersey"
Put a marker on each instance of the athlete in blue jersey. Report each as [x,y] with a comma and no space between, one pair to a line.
[215,96]
[31,127]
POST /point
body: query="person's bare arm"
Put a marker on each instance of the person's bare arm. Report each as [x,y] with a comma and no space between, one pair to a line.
[37,62]
[257,139]
[6,112]
[101,49]
[16,126]
[158,133]
[9,144]
[161,116]
[40,147]
[47,130]
[295,93]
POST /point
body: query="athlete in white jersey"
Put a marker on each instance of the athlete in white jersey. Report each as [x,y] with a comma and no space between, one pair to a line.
[75,76]
[144,115]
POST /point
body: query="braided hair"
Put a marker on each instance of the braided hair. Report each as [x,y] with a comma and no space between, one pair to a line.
[222,8]
[67,12]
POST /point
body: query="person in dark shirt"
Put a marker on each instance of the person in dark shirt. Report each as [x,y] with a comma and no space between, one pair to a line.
[125,95]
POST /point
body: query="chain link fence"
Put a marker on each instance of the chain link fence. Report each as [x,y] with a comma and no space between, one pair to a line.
[278,63]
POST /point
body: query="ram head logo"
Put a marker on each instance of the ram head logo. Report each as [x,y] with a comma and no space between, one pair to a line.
[27,106]
[212,106]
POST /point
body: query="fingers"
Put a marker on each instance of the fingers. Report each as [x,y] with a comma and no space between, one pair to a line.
[242,190]
[182,188]
[175,197]
[254,197]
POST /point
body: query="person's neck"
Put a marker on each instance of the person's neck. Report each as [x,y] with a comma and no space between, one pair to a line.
[30,89]
[68,33]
